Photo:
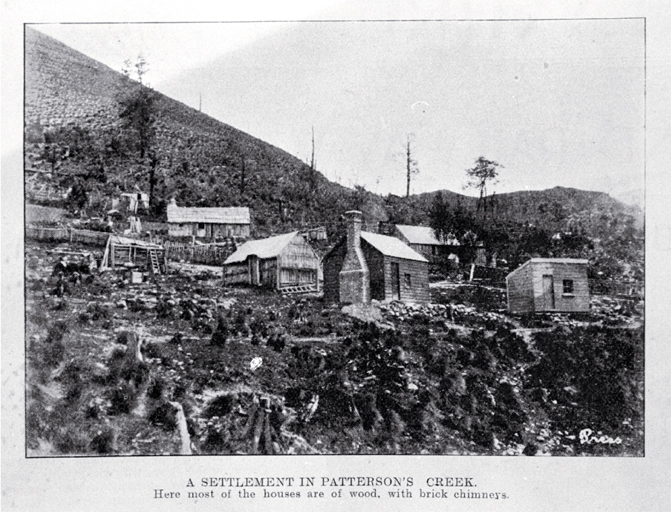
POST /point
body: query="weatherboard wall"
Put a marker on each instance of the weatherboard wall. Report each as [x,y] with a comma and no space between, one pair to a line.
[577,301]
[519,285]
[296,265]
[525,287]
[205,230]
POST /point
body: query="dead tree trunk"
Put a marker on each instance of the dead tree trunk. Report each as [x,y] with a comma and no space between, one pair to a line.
[185,447]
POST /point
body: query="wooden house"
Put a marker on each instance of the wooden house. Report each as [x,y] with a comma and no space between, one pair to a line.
[365,266]
[284,262]
[133,253]
[211,223]
[423,240]
[549,285]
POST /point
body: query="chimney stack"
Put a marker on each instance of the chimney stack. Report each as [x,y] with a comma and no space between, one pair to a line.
[354,276]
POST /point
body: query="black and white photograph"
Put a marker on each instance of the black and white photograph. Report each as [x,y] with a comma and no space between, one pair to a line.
[409,237]
[332,240]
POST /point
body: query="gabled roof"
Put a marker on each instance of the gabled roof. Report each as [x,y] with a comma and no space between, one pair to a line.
[391,246]
[421,235]
[263,249]
[231,215]
[561,261]
[418,234]
[558,260]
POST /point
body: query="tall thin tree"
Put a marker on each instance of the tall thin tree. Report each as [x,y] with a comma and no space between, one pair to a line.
[483,173]
[411,166]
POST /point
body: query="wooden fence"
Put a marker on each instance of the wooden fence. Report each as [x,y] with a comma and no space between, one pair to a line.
[603,287]
[209,254]
[83,236]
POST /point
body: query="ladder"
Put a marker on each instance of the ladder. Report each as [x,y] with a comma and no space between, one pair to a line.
[153,258]
[306,288]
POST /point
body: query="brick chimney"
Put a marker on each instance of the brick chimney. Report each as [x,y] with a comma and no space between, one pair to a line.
[354,276]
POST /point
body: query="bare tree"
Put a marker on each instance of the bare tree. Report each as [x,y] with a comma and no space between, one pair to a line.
[243,171]
[312,159]
[411,166]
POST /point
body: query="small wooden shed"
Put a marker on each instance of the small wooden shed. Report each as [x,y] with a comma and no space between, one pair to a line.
[549,285]
[365,266]
[203,222]
[284,262]
[133,253]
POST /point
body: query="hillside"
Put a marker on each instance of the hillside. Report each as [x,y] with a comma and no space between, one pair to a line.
[73,129]
[201,160]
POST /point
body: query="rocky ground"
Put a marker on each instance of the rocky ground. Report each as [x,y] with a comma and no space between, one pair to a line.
[179,364]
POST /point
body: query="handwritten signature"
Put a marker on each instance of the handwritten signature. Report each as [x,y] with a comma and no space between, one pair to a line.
[586,437]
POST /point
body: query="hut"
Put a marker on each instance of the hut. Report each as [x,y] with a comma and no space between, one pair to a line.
[423,240]
[202,222]
[133,253]
[285,262]
[130,201]
[365,266]
[549,285]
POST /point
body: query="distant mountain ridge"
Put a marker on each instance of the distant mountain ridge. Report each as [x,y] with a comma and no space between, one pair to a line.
[205,162]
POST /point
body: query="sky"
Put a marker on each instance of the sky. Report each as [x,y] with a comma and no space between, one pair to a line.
[556,102]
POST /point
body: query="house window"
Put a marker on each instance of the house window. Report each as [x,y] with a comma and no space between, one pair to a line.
[407,280]
[568,286]
[201,225]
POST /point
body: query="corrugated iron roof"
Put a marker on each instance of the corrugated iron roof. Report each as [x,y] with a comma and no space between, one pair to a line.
[263,249]
[230,215]
[390,246]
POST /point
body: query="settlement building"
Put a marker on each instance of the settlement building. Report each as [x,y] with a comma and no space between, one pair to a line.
[423,240]
[365,266]
[208,222]
[134,254]
[130,201]
[549,284]
[284,262]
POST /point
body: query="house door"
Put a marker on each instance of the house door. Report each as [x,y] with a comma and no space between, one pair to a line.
[254,278]
[548,292]
[395,282]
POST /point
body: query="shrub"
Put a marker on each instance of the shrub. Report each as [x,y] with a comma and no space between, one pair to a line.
[122,399]
[96,311]
[53,353]
[176,339]
[152,350]
[156,388]
[592,373]
[105,441]
[220,406]
[127,338]
[221,333]
[71,440]
[56,332]
[165,416]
